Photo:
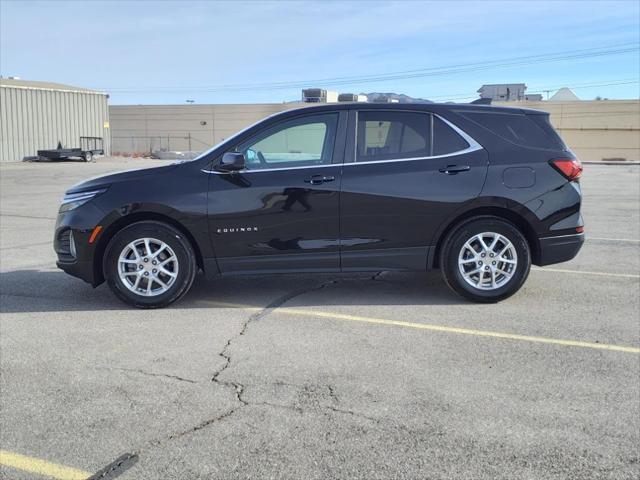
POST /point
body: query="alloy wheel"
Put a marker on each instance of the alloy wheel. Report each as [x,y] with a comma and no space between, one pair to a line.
[148,267]
[487,261]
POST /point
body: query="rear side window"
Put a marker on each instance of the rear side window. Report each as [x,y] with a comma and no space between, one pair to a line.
[446,139]
[385,135]
[518,128]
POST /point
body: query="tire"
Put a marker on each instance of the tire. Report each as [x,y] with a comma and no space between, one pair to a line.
[125,264]
[88,156]
[501,271]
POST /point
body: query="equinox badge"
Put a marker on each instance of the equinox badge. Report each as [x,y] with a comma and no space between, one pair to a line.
[237,230]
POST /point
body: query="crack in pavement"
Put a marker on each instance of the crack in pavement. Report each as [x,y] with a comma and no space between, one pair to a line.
[332,394]
[278,302]
[301,410]
[238,388]
[150,374]
[354,414]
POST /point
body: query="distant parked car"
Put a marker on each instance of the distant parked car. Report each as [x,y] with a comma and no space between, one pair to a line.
[479,192]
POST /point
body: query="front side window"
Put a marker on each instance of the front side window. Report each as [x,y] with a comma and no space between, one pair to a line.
[384,135]
[304,141]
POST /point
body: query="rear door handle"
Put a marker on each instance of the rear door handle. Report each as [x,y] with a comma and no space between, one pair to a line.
[318,179]
[453,169]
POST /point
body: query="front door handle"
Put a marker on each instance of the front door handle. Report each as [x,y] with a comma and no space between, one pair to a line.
[454,169]
[318,179]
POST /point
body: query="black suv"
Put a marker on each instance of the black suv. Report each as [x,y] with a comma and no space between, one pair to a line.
[479,192]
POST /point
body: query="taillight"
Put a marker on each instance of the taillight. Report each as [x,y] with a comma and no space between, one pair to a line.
[571,168]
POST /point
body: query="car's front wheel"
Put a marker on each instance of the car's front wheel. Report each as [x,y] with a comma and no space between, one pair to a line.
[485,259]
[149,264]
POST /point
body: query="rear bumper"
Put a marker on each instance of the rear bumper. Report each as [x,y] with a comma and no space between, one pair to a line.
[559,249]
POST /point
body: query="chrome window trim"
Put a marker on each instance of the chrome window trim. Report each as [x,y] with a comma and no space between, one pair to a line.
[472,143]
[325,165]
[473,146]
[413,159]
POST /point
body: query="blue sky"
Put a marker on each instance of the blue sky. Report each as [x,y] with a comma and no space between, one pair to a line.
[151,52]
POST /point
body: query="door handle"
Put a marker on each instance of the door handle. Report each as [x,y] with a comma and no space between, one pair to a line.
[318,179]
[454,169]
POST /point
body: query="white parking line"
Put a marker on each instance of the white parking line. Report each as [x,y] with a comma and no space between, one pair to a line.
[627,240]
[587,272]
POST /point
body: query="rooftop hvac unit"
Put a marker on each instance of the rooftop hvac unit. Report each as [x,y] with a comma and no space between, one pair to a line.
[314,95]
[319,95]
[351,97]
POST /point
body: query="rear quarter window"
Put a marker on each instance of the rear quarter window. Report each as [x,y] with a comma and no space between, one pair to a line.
[445,139]
[525,130]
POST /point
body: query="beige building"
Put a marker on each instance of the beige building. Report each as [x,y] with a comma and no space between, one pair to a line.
[141,129]
[595,130]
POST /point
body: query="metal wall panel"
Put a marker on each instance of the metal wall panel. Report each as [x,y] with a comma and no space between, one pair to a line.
[33,119]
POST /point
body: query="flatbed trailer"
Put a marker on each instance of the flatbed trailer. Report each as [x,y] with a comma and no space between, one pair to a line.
[89,147]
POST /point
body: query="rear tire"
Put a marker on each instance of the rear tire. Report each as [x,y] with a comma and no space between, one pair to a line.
[88,156]
[485,259]
[149,264]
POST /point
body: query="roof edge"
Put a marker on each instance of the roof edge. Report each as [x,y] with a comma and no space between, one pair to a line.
[61,88]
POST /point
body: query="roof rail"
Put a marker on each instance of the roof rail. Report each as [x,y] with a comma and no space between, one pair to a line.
[481,101]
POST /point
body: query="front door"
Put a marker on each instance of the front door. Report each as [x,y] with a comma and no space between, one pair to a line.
[281,213]
[410,171]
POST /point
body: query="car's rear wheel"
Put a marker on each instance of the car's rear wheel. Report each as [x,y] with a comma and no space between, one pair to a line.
[485,259]
[150,264]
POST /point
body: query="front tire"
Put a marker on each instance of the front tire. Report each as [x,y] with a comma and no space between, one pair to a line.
[150,264]
[485,259]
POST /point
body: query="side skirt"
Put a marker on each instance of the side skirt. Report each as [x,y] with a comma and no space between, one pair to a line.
[284,263]
[394,259]
[398,259]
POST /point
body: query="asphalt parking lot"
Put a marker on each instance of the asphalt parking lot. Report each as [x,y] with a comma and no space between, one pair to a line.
[318,377]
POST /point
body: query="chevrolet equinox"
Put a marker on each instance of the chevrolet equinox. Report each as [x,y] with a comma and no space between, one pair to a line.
[479,192]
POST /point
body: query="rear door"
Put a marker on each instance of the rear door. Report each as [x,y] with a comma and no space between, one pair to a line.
[405,173]
[281,212]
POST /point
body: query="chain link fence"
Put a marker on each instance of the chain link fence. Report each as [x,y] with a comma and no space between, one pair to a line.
[158,146]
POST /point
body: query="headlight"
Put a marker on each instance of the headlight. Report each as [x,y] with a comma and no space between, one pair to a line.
[74,200]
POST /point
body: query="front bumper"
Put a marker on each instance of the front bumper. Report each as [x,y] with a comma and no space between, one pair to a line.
[559,249]
[80,269]
[79,260]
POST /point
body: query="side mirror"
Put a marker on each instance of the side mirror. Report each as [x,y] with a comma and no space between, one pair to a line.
[231,162]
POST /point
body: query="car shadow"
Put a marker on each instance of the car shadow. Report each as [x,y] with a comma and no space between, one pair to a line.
[53,291]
